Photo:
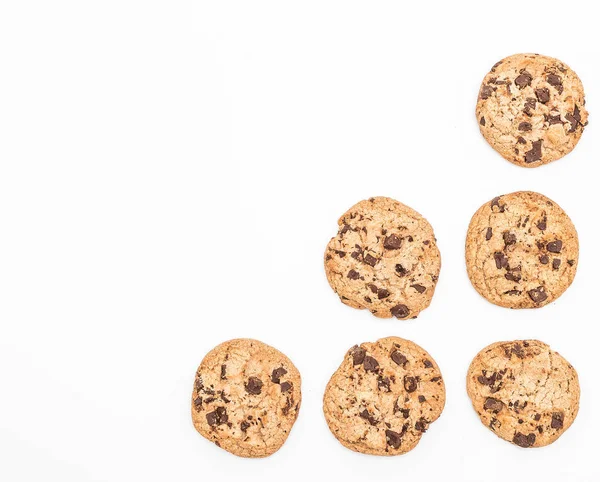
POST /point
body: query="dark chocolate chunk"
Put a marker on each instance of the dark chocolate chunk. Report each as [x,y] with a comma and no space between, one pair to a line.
[420,288]
[509,238]
[486,92]
[393,439]
[244,426]
[400,311]
[392,242]
[253,386]
[354,275]
[285,386]
[542,94]
[525,126]
[555,263]
[368,417]
[493,405]
[535,154]
[482,121]
[555,81]
[410,384]
[554,246]
[427,363]
[223,372]
[400,270]
[277,374]
[398,358]
[370,260]
[523,440]
[218,417]
[382,293]
[488,234]
[422,399]
[538,294]
[501,260]
[358,355]
[421,425]
[558,419]
[524,79]
[370,364]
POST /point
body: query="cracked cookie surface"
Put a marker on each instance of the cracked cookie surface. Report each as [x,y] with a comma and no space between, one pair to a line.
[524,392]
[521,250]
[383,397]
[246,397]
[384,259]
[531,109]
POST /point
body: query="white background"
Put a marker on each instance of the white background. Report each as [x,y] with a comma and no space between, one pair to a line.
[170,173]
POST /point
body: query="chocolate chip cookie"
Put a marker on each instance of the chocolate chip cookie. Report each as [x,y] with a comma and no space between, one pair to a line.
[384,258]
[531,109]
[383,397]
[246,397]
[524,392]
[521,250]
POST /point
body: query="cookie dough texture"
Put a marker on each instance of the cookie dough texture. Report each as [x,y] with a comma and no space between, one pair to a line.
[521,250]
[384,259]
[524,392]
[246,397]
[531,109]
[383,397]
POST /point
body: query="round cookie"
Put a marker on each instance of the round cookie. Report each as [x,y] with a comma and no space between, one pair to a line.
[246,397]
[383,397]
[384,258]
[524,392]
[531,109]
[521,250]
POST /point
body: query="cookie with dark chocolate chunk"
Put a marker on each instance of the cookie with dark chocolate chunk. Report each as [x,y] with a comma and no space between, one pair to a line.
[383,259]
[384,404]
[531,109]
[524,392]
[246,397]
[521,250]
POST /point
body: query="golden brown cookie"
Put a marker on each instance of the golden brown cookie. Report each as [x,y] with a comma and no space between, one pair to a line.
[531,109]
[521,250]
[383,397]
[246,397]
[384,259]
[524,392]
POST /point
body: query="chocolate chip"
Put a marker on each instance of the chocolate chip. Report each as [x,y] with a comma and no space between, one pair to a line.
[392,242]
[501,260]
[382,293]
[509,238]
[496,202]
[535,154]
[370,364]
[218,417]
[530,104]
[285,387]
[253,386]
[420,288]
[410,384]
[482,121]
[488,234]
[542,225]
[277,374]
[538,294]
[556,82]
[198,384]
[554,246]
[383,383]
[574,119]
[427,363]
[421,399]
[393,439]
[486,92]
[398,358]
[400,311]
[223,372]
[372,287]
[523,440]
[542,94]
[571,262]
[345,229]
[537,417]
[358,355]
[370,260]
[555,263]
[525,126]
[523,80]
[514,274]
[421,425]
[493,405]
[244,426]
[198,403]
[401,270]
[354,275]
[554,119]
[521,140]
[544,259]
[368,417]
[557,420]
